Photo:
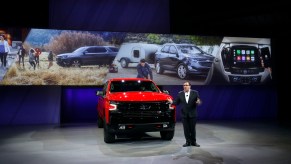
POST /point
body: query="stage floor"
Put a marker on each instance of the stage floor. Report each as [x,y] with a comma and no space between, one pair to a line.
[231,142]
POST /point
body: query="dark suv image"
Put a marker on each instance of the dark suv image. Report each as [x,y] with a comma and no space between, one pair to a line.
[185,59]
[89,55]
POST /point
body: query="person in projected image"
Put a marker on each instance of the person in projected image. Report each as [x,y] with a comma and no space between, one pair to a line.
[144,70]
[50,58]
[31,58]
[4,51]
[188,99]
[37,54]
[266,66]
[21,53]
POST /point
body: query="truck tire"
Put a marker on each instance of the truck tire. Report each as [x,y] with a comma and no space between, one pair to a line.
[167,135]
[108,137]
[100,122]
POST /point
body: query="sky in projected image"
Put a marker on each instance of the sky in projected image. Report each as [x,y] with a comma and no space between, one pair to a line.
[86,58]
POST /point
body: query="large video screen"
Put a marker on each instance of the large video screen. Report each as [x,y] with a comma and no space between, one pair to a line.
[89,58]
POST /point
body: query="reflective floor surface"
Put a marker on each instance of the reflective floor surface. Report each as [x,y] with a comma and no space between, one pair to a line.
[231,142]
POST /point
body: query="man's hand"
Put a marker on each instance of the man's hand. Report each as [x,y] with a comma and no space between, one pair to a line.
[198,101]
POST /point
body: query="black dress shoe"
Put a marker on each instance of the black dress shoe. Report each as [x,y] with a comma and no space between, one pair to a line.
[187,144]
[195,144]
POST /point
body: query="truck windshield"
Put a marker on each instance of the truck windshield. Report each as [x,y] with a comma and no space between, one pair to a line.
[127,86]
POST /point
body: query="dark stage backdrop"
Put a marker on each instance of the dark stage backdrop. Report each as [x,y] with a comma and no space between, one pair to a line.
[79,105]
[111,15]
[219,102]
[70,105]
[163,16]
[233,102]
[44,105]
[27,105]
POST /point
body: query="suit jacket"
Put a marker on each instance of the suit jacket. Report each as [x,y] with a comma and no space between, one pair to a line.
[187,109]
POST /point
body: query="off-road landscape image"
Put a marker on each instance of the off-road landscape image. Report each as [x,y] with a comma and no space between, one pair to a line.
[55,75]
[67,69]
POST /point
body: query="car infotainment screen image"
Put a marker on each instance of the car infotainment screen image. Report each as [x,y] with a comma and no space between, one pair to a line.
[242,61]
[245,57]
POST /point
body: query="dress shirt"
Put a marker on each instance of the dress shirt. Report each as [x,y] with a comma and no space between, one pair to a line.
[187,95]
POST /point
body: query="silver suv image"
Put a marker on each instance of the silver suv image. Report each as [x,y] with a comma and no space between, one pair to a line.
[184,59]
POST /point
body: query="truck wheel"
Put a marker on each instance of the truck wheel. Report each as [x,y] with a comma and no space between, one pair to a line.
[182,71]
[100,122]
[167,135]
[123,63]
[159,70]
[108,137]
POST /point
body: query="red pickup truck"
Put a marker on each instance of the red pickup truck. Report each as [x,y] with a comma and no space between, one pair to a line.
[134,105]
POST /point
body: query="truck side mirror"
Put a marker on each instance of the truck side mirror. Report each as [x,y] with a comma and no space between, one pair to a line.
[166,92]
[99,93]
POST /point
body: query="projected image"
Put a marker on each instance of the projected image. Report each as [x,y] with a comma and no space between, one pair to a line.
[62,57]
[78,58]
[171,58]
[12,40]
[242,61]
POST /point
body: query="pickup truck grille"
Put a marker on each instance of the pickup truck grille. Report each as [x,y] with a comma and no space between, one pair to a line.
[142,109]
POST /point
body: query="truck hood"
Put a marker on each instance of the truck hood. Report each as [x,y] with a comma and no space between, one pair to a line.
[138,96]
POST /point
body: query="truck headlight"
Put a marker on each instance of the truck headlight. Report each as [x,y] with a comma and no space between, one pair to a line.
[112,105]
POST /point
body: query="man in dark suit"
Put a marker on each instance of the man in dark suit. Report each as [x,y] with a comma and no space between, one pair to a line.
[188,99]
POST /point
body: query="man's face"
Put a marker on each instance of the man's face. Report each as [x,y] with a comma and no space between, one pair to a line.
[186,87]
[142,64]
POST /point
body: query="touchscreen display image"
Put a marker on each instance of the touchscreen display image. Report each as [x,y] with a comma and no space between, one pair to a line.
[244,57]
